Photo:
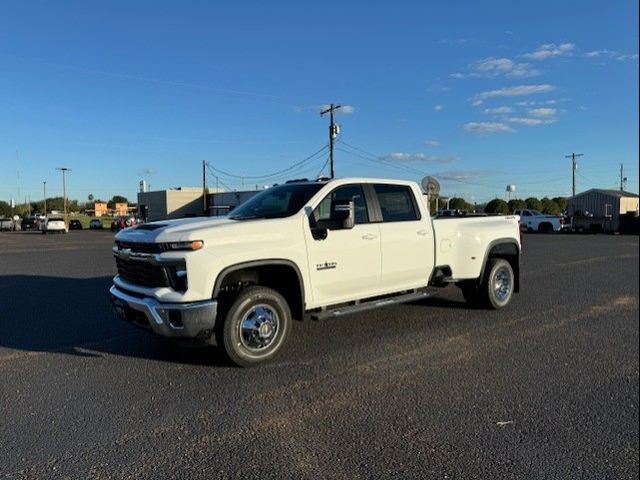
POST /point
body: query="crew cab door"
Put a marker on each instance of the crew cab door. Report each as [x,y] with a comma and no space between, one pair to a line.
[346,264]
[406,238]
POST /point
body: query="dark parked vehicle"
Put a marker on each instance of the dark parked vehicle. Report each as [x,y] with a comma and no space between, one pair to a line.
[95,224]
[75,224]
[29,223]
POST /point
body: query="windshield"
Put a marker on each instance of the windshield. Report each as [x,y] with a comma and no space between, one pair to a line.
[277,202]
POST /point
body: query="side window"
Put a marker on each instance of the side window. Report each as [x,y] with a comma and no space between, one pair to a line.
[396,203]
[345,192]
[526,213]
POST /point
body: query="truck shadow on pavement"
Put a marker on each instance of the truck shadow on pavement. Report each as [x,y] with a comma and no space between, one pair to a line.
[73,316]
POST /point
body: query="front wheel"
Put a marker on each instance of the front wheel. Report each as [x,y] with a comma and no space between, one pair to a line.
[255,326]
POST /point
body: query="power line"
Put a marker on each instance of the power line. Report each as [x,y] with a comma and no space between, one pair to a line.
[274,174]
[372,157]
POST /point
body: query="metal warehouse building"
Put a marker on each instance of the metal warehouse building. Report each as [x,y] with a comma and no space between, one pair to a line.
[603,210]
[174,203]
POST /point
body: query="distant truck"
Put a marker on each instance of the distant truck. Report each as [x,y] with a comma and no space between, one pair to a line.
[315,249]
[535,221]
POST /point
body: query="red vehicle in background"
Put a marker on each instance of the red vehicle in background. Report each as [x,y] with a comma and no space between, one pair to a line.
[121,223]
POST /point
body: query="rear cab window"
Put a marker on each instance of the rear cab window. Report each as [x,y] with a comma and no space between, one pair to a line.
[397,203]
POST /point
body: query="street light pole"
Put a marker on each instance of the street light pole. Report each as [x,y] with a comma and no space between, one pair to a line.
[44,196]
[64,191]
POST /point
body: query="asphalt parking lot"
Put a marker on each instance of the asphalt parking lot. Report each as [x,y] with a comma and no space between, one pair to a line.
[547,388]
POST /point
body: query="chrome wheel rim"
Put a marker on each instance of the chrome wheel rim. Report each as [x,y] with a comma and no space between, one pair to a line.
[259,327]
[502,284]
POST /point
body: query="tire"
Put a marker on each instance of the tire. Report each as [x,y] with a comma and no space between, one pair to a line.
[545,228]
[497,285]
[255,326]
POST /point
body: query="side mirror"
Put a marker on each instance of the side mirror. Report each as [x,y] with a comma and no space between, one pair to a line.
[343,212]
[341,217]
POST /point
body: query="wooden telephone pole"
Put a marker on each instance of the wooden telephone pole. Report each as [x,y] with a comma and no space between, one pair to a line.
[333,133]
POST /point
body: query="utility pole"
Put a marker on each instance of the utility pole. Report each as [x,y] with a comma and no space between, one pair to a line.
[204,186]
[64,190]
[333,133]
[573,157]
[44,195]
[623,179]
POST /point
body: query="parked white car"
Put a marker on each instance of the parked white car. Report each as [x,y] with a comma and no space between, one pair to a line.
[53,225]
[535,221]
[306,249]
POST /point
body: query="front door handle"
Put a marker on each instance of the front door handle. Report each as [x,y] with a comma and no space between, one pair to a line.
[369,236]
[423,232]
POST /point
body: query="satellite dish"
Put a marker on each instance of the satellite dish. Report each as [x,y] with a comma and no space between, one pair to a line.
[430,185]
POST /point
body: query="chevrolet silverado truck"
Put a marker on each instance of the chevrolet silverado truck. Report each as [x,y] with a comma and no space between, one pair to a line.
[305,249]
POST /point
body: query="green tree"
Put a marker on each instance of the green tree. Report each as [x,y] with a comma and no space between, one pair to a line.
[562,202]
[533,203]
[516,204]
[549,206]
[457,203]
[116,199]
[497,205]
[5,209]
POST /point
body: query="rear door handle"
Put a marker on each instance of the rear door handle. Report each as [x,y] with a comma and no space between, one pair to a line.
[369,236]
[423,232]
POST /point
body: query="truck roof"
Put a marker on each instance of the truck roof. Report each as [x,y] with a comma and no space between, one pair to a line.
[339,181]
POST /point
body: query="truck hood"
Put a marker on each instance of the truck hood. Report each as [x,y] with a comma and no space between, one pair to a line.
[211,230]
[171,230]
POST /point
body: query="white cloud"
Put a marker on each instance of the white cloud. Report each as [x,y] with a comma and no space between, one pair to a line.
[482,128]
[432,143]
[453,41]
[611,54]
[463,174]
[418,157]
[490,64]
[549,50]
[516,91]
[498,110]
[627,57]
[542,112]
[529,122]
[438,108]
[598,53]
[503,66]
[493,67]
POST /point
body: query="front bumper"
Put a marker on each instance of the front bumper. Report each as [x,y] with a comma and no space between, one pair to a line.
[178,320]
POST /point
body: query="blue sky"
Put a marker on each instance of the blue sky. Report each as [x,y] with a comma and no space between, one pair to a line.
[478,94]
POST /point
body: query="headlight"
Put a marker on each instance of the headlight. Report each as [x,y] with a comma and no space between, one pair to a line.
[191,245]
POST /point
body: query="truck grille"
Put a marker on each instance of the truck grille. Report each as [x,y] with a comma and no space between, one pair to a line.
[142,273]
[140,247]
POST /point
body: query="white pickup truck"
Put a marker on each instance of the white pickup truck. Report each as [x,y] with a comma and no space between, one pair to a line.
[305,249]
[535,221]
